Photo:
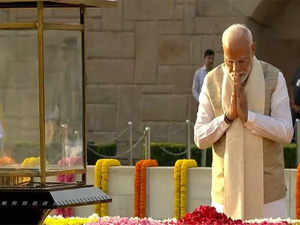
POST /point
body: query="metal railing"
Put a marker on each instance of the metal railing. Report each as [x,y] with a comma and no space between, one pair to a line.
[146,137]
[147,153]
[132,146]
[188,138]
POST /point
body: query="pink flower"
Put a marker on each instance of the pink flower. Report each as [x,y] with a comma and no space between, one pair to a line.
[66,178]
[131,221]
[65,212]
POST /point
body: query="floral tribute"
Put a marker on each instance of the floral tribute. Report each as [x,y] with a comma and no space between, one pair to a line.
[206,215]
[132,221]
[95,220]
[30,162]
[180,183]
[101,179]
[203,215]
[140,186]
[59,220]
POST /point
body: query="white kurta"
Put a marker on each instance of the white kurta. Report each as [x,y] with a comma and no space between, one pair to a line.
[277,127]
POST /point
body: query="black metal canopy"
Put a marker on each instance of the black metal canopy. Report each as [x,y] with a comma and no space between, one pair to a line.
[25,206]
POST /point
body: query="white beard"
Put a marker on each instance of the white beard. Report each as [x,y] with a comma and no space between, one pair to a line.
[242,75]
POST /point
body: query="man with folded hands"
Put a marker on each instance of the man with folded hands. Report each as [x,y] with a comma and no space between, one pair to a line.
[244,114]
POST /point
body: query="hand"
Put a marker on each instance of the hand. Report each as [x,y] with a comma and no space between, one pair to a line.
[293,106]
[296,108]
[241,99]
[232,112]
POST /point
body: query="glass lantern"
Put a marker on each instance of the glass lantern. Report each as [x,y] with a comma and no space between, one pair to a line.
[42,95]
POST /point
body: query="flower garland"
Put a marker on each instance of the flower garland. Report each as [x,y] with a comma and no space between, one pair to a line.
[101,179]
[177,175]
[137,186]
[140,192]
[59,220]
[298,193]
[180,183]
[31,162]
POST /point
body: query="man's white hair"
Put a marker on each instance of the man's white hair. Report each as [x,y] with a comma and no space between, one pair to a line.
[237,29]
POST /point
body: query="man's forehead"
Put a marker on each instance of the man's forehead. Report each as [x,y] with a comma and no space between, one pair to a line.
[237,44]
[237,52]
[236,37]
[240,57]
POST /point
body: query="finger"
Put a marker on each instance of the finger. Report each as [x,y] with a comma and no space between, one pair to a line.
[235,78]
[237,90]
[238,77]
[233,99]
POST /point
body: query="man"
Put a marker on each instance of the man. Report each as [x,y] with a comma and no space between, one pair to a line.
[201,72]
[244,114]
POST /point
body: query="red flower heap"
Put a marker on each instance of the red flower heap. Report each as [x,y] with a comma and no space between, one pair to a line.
[206,215]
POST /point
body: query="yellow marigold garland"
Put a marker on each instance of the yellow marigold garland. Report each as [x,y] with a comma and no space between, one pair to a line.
[97,182]
[177,175]
[101,179]
[59,220]
[31,162]
[180,183]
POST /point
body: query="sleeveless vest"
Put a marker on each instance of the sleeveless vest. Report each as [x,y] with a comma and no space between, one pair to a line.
[274,186]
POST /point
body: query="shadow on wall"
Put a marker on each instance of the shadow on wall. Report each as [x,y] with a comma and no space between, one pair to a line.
[277,34]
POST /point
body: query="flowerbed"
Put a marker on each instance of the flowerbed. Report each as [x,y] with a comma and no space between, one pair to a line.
[132,221]
[203,215]
[106,220]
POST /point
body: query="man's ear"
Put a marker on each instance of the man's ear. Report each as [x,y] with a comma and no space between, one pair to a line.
[253,48]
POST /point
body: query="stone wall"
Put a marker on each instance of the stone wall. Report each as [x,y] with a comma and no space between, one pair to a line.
[141,58]
[141,62]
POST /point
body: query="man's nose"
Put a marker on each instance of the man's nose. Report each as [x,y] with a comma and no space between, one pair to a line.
[235,67]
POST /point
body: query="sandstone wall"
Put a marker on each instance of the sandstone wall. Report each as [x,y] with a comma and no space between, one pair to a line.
[141,58]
